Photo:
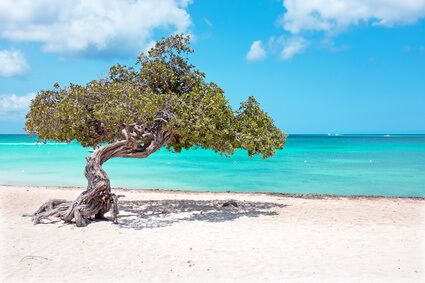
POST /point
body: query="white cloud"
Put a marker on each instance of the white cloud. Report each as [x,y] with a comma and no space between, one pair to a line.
[334,16]
[95,26]
[304,18]
[293,46]
[256,51]
[12,63]
[12,105]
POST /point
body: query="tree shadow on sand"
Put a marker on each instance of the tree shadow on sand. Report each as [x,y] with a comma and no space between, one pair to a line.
[160,213]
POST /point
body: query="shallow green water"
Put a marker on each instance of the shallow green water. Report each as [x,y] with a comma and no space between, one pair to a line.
[346,164]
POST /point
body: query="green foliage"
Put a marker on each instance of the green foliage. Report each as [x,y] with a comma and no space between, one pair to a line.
[162,80]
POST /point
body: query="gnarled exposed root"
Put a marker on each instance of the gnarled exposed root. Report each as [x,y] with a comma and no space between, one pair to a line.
[79,210]
[54,207]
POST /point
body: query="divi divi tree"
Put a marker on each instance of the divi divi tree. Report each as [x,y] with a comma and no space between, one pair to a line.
[162,101]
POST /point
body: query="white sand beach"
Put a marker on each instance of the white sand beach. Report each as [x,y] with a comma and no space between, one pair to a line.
[172,236]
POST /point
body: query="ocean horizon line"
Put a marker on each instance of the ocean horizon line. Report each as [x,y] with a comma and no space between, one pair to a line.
[305,134]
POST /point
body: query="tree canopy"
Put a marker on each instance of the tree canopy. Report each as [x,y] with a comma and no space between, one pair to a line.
[162,93]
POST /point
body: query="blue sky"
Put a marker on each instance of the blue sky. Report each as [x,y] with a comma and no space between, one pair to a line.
[315,66]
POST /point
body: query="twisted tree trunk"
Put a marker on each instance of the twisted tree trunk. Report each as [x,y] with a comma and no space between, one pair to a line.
[98,199]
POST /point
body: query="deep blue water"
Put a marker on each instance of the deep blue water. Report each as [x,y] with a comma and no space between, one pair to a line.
[345,164]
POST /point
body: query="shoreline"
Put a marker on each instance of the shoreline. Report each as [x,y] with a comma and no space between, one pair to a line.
[278,194]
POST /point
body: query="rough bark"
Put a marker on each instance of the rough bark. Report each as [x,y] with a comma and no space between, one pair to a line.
[97,199]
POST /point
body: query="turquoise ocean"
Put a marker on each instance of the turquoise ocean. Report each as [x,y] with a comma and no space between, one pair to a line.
[389,165]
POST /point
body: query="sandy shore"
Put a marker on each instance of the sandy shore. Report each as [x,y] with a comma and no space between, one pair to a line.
[189,237]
